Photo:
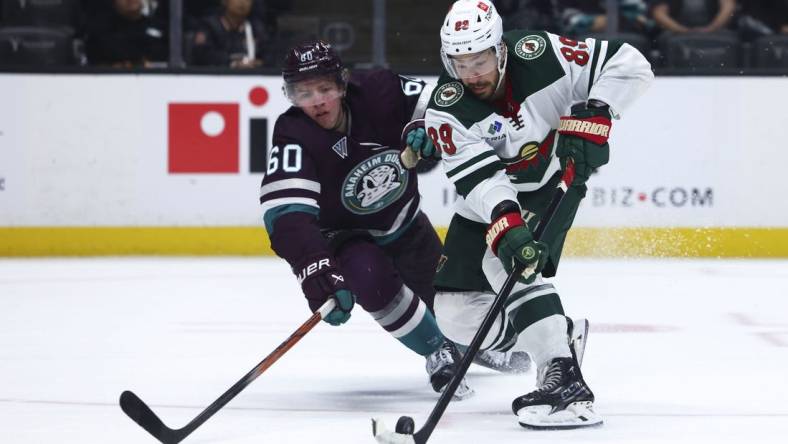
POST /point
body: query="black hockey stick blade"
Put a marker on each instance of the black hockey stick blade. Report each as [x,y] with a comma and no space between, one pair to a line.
[138,411]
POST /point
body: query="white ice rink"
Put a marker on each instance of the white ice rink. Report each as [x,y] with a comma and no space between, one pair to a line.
[680,352]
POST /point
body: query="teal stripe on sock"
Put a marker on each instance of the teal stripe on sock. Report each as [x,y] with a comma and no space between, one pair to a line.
[425,338]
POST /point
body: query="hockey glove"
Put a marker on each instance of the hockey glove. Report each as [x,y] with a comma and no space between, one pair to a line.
[421,144]
[320,279]
[512,242]
[583,137]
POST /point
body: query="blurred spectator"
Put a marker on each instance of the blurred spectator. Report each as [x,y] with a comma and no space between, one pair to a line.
[697,16]
[267,12]
[125,37]
[103,7]
[528,14]
[759,18]
[231,38]
[582,17]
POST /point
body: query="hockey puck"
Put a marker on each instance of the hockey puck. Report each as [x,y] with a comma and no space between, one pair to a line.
[405,425]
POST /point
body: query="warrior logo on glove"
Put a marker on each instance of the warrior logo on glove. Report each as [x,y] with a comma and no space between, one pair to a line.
[595,129]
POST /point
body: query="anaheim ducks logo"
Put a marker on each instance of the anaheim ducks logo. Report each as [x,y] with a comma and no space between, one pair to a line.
[448,94]
[375,183]
[530,47]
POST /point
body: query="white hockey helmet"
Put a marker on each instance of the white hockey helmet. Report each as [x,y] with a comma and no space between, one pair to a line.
[472,26]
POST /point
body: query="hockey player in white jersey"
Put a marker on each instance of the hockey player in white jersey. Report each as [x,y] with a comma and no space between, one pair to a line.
[507,113]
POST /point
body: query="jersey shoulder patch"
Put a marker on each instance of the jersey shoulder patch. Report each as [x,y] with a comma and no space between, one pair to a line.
[451,97]
[527,45]
[532,64]
[448,94]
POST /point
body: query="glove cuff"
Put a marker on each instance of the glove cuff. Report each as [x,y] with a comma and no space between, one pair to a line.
[500,226]
[595,129]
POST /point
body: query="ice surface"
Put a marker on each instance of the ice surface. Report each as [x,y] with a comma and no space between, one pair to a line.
[680,352]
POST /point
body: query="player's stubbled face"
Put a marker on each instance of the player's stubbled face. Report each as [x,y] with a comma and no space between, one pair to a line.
[320,99]
[478,72]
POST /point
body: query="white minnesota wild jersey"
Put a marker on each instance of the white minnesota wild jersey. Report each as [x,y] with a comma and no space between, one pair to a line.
[491,151]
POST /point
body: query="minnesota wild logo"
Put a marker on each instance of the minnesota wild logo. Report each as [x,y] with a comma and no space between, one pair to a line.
[374,183]
[530,47]
[448,94]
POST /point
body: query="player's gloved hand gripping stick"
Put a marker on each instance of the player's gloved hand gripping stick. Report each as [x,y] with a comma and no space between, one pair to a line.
[137,410]
[321,280]
[405,428]
[417,145]
[582,137]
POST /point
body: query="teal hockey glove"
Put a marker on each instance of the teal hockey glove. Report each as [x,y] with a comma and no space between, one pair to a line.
[341,313]
[583,137]
[512,242]
[421,144]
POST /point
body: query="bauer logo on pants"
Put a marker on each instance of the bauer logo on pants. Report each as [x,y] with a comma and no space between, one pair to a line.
[203,138]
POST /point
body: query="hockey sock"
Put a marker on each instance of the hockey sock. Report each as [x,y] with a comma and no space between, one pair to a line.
[407,318]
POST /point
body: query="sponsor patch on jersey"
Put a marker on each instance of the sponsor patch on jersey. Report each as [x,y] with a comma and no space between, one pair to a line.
[375,183]
[449,94]
[530,47]
[495,127]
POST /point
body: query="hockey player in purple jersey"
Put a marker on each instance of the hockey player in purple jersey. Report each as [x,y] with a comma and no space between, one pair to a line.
[342,210]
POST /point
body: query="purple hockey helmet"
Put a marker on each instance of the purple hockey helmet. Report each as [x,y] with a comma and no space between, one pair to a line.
[309,60]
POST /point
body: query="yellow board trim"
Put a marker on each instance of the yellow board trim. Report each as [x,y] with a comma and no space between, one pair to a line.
[187,241]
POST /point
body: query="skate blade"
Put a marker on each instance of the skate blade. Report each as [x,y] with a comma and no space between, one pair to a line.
[516,365]
[576,415]
[463,392]
[385,436]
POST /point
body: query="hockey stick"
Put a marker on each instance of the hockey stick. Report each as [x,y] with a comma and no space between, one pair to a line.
[137,410]
[403,432]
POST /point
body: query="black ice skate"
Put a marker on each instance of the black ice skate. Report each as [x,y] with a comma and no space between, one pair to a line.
[561,401]
[442,365]
[504,362]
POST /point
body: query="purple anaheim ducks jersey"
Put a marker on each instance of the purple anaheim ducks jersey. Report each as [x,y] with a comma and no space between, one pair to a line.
[353,180]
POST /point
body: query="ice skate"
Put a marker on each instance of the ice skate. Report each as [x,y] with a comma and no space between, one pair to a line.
[504,362]
[562,399]
[442,365]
